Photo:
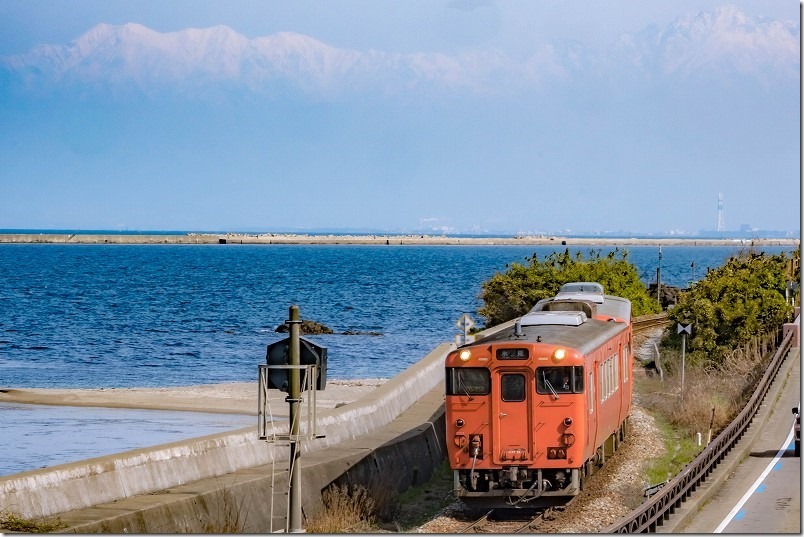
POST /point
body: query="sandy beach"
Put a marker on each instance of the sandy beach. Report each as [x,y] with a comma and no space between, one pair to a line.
[229,398]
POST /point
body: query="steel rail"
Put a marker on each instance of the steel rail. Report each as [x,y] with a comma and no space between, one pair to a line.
[651,514]
[474,526]
[642,323]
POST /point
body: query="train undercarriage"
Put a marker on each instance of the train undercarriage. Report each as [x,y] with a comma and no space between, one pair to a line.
[519,486]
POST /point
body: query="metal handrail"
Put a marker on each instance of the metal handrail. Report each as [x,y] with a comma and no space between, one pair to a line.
[648,516]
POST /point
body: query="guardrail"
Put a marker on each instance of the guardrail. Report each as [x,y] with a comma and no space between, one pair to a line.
[651,514]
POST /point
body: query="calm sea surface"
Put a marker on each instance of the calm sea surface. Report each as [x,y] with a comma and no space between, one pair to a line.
[86,316]
[37,436]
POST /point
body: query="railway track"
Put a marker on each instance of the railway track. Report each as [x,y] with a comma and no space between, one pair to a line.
[514,520]
[645,322]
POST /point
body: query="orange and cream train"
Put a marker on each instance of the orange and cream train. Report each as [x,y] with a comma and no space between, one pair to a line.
[535,408]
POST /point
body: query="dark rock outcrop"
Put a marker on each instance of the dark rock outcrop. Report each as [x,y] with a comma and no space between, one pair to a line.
[307,327]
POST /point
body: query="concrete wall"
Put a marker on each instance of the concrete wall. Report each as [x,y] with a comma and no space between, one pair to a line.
[68,487]
[253,500]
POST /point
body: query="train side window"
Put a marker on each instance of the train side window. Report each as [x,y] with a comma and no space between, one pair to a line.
[591,392]
[468,381]
[612,374]
[512,387]
[603,380]
[613,367]
[626,358]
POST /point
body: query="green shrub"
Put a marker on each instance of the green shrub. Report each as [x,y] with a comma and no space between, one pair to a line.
[513,293]
[734,304]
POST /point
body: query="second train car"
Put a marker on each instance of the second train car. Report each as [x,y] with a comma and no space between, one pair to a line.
[536,407]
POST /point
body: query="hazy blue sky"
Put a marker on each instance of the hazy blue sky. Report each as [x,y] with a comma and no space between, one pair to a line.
[465,116]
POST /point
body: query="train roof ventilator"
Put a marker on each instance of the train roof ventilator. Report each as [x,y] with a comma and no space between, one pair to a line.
[563,318]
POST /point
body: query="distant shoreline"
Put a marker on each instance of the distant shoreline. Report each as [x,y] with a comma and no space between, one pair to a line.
[290,238]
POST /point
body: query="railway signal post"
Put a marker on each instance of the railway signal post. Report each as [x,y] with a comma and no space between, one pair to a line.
[465,323]
[294,522]
[298,368]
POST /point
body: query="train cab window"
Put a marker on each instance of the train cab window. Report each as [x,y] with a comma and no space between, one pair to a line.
[512,387]
[559,380]
[626,361]
[468,381]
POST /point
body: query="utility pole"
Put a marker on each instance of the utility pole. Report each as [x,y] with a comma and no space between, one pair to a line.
[294,398]
[692,273]
[683,330]
[659,277]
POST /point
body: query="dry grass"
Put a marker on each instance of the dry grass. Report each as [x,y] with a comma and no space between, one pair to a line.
[231,516]
[13,522]
[380,508]
[712,395]
[346,510]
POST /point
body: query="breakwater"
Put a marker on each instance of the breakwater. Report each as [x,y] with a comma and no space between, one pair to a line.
[289,238]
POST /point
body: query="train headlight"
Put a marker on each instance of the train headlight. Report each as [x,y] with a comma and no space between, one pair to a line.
[465,355]
[559,354]
[568,439]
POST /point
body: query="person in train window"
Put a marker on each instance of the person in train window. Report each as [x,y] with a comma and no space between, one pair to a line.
[565,385]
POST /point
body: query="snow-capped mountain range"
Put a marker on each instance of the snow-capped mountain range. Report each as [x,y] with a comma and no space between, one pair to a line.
[724,42]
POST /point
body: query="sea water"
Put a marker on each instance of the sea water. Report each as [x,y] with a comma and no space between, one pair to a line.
[90,316]
[36,436]
[99,316]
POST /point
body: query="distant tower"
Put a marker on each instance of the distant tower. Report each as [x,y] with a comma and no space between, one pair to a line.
[721,226]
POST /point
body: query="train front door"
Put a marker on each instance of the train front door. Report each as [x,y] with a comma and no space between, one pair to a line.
[512,434]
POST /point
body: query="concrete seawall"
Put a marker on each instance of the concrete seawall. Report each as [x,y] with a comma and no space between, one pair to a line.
[75,486]
[405,452]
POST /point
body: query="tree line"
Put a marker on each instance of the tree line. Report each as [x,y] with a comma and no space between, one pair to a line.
[731,305]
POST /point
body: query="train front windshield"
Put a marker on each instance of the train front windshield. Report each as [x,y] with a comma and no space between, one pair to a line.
[559,380]
[468,381]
